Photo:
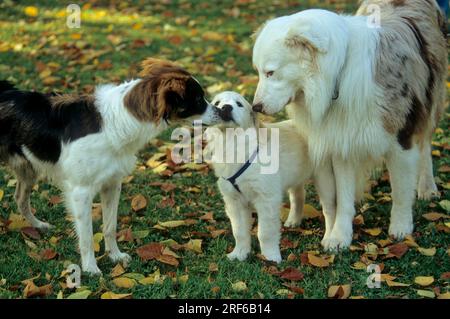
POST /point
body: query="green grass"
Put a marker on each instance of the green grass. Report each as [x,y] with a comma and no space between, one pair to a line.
[175,32]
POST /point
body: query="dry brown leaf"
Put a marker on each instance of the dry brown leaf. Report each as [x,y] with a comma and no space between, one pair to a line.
[168,259]
[318,261]
[292,274]
[150,251]
[117,271]
[139,202]
[48,254]
[432,217]
[397,250]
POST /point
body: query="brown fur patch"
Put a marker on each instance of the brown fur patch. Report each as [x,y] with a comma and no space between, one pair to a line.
[398,3]
[147,100]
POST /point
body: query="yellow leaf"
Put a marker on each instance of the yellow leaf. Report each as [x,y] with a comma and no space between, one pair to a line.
[445,204]
[284,213]
[124,282]
[172,223]
[239,286]
[137,26]
[426,293]
[117,271]
[194,245]
[154,161]
[359,265]
[84,294]
[310,212]
[98,237]
[112,295]
[444,296]
[31,11]
[392,283]
[436,153]
[339,292]
[373,231]
[159,169]
[17,222]
[2,193]
[427,251]
[424,280]
[318,261]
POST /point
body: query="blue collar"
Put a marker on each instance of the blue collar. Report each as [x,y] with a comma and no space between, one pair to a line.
[241,171]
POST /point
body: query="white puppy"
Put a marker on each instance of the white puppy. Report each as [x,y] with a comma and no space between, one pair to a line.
[363,94]
[244,186]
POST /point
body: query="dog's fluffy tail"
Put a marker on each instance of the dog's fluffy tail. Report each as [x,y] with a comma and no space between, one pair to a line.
[6,86]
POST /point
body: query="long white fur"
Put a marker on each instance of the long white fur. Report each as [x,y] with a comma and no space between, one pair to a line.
[349,130]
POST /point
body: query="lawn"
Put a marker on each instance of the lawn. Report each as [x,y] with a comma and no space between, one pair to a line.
[212,40]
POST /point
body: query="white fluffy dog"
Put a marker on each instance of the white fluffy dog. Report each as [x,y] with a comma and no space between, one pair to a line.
[362,94]
[244,187]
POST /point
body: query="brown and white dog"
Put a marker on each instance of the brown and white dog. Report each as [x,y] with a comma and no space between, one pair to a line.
[362,93]
[86,144]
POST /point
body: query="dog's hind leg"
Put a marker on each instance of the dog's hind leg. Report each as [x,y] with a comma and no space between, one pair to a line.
[326,188]
[426,188]
[297,200]
[26,178]
[79,201]
[269,228]
[110,195]
[403,168]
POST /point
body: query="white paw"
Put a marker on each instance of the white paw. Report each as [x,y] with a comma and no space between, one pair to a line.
[239,254]
[400,230]
[42,226]
[124,258]
[292,222]
[336,243]
[428,194]
[92,269]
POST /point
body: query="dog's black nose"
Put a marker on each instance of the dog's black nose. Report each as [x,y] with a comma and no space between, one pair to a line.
[258,108]
[225,112]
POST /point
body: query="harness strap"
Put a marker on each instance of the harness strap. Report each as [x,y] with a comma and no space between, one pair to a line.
[241,171]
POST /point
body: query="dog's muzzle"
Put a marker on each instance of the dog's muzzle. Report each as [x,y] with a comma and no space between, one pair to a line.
[225,113]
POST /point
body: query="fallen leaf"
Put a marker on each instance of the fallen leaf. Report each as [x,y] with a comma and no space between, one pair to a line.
[31,290]
[318,261]
[445,204]
[124,282]
[444,296]
[397,250]
[427,251]
[213,267]
[31,11]
[48,254]
[84,294]
[150,251]
[424,280]
[392,283]
[339,292]
[117,271]
[432,217]
[112,295]
[373,231]
[309,212]
[17,222]
[168,259]
[141,234]
[194,245]
[426,293]
[239,286]
[139,202]
[31,232]
[2,193]
[292,274]
[445,276]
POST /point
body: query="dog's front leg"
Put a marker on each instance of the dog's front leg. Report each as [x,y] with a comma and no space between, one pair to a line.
[269,231]
[342,232]
[79,200]
[240,217]
[403,170]
[326,188]
[110,196]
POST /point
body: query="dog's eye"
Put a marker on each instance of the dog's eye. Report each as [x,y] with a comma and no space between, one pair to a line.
[217,103]
[270,73]
[239,104]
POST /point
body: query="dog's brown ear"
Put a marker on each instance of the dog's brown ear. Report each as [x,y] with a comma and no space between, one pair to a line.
[149,66]
[301,38]
[171,95]
[141,101]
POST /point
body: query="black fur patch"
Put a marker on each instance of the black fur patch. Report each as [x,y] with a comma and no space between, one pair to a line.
[30,119]
[414,119]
